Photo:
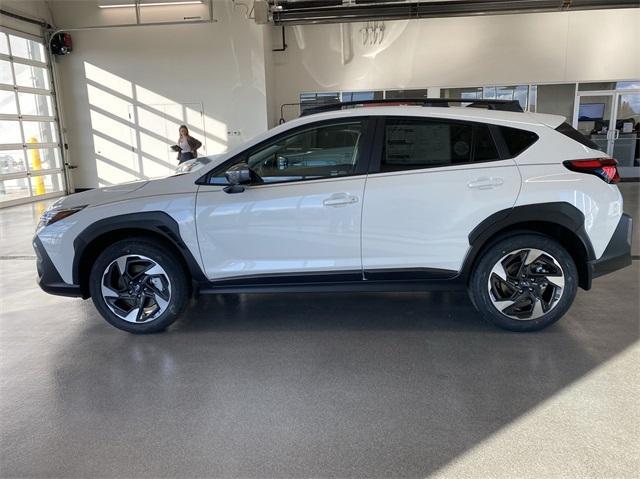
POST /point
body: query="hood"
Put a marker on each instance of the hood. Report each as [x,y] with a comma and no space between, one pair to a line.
[100,195]
[182,181]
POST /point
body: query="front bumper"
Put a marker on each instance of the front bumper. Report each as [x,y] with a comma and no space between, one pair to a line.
[617,255]
[48,277]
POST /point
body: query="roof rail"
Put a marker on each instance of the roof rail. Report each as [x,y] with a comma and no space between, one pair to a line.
[503,105]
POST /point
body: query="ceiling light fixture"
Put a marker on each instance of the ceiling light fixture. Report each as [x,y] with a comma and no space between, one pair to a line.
[150,4]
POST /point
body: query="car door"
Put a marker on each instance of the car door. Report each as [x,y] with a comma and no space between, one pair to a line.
[304,218]
[434,180]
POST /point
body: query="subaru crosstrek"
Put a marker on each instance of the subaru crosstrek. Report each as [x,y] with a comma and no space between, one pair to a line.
[517,208]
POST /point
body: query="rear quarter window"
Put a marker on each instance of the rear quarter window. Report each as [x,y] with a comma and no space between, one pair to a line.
[516,140]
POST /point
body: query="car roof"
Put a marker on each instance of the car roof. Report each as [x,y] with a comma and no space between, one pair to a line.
[459,113]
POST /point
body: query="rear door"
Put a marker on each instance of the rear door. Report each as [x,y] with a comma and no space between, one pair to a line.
[434,181]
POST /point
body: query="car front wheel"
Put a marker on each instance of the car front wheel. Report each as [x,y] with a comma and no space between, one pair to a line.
[524,282]
[138,286]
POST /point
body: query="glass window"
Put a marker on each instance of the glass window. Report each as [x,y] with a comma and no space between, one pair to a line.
[11,161]
[517,140]
[484,147]
[40,105]
[595,86]
[310,100]
[25,48]
[40,132]
[490,93]
[14,189]
[44,184]
[43,158]
[8,103]
[406,94]
[4,43]
[10,132]
[628,85]
[6,77]
[415,144]
[321,152]
[471,93]
[361,95]
[30,76]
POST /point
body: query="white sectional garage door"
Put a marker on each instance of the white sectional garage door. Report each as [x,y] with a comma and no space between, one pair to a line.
[31,166]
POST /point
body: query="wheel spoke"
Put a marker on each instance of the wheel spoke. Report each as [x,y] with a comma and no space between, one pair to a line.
[108,292]
[532,255]
[538,309]
[141,303]
[499,271]
[122,265]
[557,281]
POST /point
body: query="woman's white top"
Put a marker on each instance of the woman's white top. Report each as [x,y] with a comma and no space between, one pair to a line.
[184,145]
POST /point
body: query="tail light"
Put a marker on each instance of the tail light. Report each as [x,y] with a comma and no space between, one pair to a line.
[604,168]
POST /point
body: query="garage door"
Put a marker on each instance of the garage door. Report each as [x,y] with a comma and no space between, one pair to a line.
[31,166]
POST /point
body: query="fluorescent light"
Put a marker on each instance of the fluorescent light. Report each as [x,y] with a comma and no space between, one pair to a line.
[152,4]
[157,4]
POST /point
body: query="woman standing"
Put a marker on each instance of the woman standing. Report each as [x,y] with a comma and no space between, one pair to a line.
[187,145]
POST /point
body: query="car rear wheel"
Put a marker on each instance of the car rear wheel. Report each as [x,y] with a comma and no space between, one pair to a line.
[524,282]
[138,286]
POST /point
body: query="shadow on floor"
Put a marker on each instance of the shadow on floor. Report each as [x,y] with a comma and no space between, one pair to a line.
[367,385]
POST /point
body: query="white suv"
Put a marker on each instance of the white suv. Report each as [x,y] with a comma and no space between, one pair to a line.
[517,208]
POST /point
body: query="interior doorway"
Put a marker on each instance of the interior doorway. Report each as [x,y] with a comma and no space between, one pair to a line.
[611,119]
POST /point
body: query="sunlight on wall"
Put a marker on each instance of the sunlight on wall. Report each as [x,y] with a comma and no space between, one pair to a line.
[134,127]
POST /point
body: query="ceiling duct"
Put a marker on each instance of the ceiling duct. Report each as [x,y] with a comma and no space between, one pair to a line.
[300,12]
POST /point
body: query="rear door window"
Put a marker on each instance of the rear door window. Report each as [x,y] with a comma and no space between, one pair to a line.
[425,143]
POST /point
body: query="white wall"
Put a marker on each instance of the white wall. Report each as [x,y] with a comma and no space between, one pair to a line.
[464,51]
[123,89]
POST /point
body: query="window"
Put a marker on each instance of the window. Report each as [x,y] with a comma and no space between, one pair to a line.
[485,148]
[416,144]
[312,100]
[517,140]
[407,94]
[326,151]
[361,95]
[30,156]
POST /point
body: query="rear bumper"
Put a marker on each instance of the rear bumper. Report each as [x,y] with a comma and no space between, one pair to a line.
[617,255]
[48,277]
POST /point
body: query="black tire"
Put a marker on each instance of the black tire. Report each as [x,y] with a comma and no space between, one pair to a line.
[178,287]
[482,298]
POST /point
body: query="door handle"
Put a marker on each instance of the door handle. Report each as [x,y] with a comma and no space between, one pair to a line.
[485,183]
[340,199]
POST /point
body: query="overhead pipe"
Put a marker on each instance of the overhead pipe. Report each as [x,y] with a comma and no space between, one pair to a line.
[17,16]
[332,11]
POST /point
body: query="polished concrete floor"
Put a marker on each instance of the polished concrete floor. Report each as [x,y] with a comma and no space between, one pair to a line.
[369,385]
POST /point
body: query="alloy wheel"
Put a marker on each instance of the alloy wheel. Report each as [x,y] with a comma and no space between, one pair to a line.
[526,284]
[136,288]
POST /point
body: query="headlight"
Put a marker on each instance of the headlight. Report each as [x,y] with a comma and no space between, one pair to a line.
[56,213]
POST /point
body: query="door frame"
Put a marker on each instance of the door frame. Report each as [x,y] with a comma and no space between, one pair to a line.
[28,173]
[612,133]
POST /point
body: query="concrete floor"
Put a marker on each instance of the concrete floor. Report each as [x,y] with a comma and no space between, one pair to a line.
[369,385]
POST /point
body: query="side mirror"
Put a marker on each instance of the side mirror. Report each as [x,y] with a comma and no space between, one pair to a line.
[237,176]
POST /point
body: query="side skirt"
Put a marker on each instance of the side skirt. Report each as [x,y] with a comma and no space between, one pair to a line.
[395,281]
